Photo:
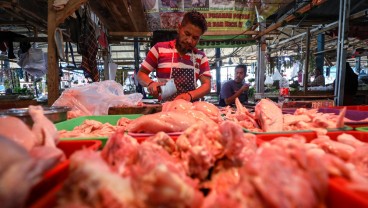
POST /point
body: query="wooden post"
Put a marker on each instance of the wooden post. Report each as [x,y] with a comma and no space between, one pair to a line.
[52,72]
[53,20]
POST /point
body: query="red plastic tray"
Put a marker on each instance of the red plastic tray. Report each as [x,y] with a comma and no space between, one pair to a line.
[59,173]
[352,107]
[339,195]
[362,136]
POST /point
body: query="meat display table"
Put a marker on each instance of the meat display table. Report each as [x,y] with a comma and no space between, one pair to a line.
[144,109]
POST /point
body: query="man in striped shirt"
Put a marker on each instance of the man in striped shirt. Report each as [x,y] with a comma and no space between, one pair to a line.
[179,60]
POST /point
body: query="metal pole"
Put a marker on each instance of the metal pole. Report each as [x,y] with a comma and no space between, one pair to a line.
[320,58]
[261,62]
[306,64]
[218,68]
[344,13]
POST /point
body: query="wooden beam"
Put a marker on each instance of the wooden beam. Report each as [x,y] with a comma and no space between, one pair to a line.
[68,10]
[282,22]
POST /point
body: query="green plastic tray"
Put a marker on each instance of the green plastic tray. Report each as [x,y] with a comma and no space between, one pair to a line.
[345,128]
[72,123]
[365,129]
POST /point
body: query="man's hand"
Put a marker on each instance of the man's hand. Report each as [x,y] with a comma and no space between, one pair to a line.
[153,88]
[244,87]
[184,96]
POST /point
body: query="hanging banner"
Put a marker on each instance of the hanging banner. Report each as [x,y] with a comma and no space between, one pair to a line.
[221,15]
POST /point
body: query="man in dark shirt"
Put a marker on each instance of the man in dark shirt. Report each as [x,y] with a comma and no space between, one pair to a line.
[236,88]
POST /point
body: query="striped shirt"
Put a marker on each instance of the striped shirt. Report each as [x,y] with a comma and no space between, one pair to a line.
[163,57]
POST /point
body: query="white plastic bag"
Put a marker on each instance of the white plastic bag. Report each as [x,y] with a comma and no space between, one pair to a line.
[96,98]
[34,61]
[276,75]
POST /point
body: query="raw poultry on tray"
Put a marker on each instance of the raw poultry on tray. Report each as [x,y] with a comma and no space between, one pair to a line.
[268,117]
[25,154]
[213,166]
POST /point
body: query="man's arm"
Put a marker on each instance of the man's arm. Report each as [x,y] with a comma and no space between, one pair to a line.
[146,81]
[230,100]
[201,91]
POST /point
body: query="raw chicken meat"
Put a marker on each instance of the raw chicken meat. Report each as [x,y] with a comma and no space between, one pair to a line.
[172,121]
[19,172]
[121,152]
[177,105]
[208,109]
[160,181]
[289,185]
[269,115]
[164,140]
[91,128]
[45,131]
[359,159]
[199,146]
[238,147]
[350,140]
[341,150]
[180,105]
[91,183]
[16,130]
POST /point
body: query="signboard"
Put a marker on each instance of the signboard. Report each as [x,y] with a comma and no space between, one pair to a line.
[221,15]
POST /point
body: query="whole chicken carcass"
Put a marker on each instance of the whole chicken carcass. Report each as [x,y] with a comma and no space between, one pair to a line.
[43,128]
[19,172]
[171,121]
[269,115]
[15,129]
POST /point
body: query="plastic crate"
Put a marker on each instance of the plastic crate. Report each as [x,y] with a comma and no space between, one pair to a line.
[60,172]
[72,123]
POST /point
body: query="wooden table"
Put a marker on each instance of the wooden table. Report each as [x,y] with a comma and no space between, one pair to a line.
[310,97]
[144,109]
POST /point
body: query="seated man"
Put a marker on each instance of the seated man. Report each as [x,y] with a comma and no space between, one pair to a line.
[319,79]
[236,88]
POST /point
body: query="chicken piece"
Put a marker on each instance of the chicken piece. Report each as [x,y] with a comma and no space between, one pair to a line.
[293,119]
[16,130]
[350,140]
[45,131]
[91,183]
[123,122]
[164,140]
[19,172]
[238,147]
[360,159]
[242,194]
[269,115]
[341,150]
[160,180]
[177,105]
[289,185]
[208,109]
[121,152]
[172,121]
[199,146]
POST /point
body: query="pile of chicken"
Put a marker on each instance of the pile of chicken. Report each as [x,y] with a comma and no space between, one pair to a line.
[268,117]
[212,166]
[178,115]
[25,154]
